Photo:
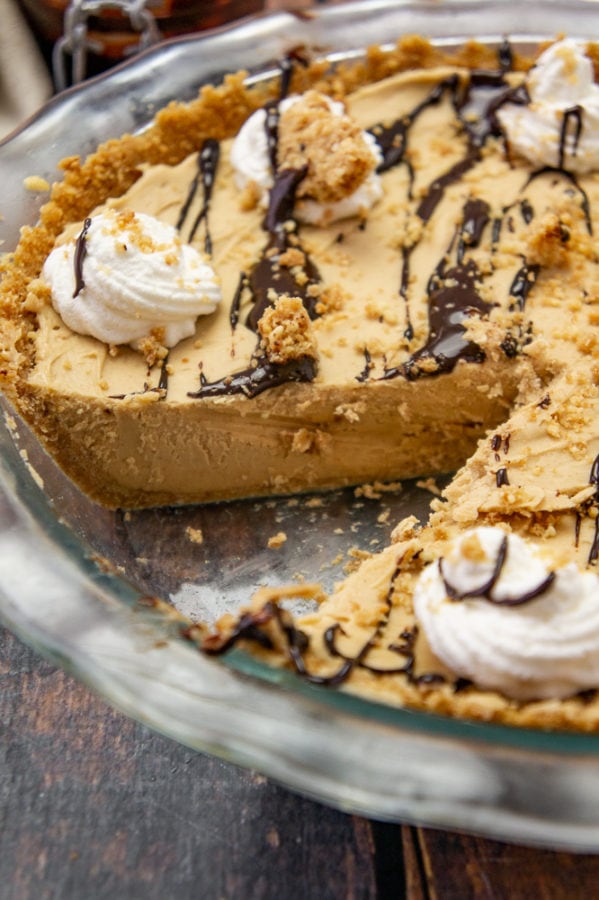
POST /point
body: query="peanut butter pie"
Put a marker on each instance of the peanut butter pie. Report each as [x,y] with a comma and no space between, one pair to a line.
[372,272]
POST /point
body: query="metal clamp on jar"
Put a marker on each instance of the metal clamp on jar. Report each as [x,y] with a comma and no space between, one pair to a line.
[78,40]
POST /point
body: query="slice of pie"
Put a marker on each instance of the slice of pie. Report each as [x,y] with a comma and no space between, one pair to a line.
[491,610]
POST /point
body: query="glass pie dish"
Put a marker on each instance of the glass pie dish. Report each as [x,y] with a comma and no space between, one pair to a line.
[76,581]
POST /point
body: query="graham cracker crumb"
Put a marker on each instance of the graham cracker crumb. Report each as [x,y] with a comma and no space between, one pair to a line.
[36,183]
[548,241]
[195,535]
[332,146]
[277,540]
[286,331]
[152,347]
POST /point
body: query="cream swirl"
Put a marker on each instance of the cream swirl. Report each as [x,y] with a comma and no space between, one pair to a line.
[251,162]
[494,613]
[560,85]
[136,278]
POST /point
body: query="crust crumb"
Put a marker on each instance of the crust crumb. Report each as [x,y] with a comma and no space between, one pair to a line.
[548,241]
[277,540]
[286,331]
[152,347]
[195,535]
[332,146]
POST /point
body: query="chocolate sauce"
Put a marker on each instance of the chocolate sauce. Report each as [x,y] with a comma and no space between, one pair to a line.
[392,139]
[475,106]
[368,364]
[208,159]
[501,478]
[359,660]
[527,211]
[485,589]
[573,114]
[450,305]
[268,275]
[505,56]
[258,378]
[594,501]
[79,256]
[497,442]
[271,109]
[564,173]
[236,301]
[163,379]
[403,291]
[208,163]
[436,191]
[248,627]
[474,221]
[523,283]
[266,279]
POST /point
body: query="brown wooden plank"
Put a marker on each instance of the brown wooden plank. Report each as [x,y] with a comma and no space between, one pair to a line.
[461,867]
[95,805]
[415,883]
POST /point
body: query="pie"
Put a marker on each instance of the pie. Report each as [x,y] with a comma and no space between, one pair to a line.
[368,273]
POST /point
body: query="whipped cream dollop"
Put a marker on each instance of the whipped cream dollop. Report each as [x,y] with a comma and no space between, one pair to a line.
[494,613]
[251,162]
[129,276]
[561,84]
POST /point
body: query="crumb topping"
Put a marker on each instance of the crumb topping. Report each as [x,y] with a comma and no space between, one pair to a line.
[332,146]
[286,331]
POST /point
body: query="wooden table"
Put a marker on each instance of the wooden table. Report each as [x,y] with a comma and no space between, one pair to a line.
[94,805]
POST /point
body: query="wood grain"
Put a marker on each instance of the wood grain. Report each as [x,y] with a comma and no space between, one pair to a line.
[462,867]
[93,805]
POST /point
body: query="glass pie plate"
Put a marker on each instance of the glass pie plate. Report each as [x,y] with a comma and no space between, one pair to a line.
[75,578]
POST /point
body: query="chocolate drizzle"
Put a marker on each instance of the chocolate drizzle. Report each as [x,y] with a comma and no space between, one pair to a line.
[268,275]
[523,283]
[392,139]
[453,296]
[591,503]
[79,257]
[501,478]
[485,590]
[450,305]
[403,291]
[269,278]
[564,173]
[368,364]
[571,115]
[208,159]
[454,291]
[250,626]
[258,378]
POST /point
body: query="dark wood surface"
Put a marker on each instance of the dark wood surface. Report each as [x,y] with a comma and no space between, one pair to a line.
[94,805]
